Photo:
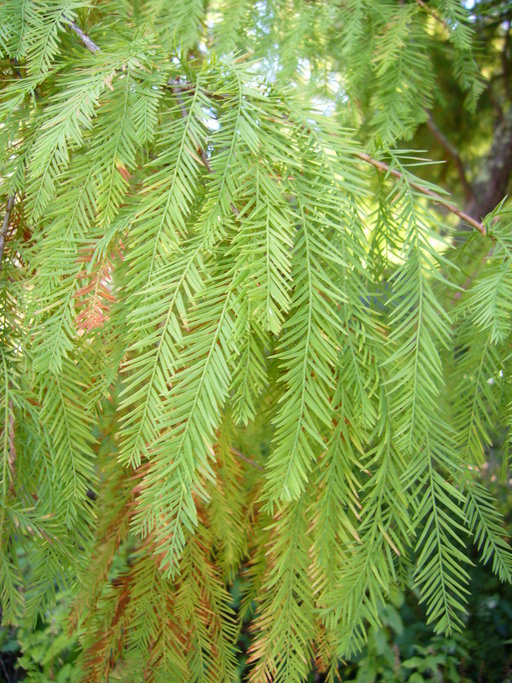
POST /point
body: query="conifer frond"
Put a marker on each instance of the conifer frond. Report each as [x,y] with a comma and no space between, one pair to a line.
[441,573]
[379,542]
[203,606]
[250,375]
[228,505]
[306,351]
[400,100]
[476,376]
[231,14]
[156,641]
[285,624]
[147,372]
[232,364]
[485,521]
[10,581]
[264,244]
[335,513]
[420,325]
[14,19]
[182,278]
[57,276]
[43,27]
[490,293]
[192,415]
[66,421]
[177,23]
[64,125]
[115,154]
[10,572]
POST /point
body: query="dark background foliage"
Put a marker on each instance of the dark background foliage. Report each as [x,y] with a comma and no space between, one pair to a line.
[404,649]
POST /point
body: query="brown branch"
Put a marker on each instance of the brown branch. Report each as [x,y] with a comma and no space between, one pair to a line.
[434,15]
[243,457]
[384,168]
[89,44]
[184,86]
[452,151]
[5,225]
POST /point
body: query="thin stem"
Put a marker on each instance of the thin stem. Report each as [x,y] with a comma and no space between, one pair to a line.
[176,84]
[434,14]
[243,457]
[384,168]
[89,44]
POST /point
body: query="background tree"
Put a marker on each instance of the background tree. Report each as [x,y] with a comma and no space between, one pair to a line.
[242,342]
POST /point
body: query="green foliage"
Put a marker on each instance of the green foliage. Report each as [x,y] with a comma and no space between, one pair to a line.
[233,344]
[49,652]
[403,648]
[399,651]
[400,648]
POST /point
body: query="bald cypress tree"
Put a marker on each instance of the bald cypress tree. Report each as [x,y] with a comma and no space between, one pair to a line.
[243,340]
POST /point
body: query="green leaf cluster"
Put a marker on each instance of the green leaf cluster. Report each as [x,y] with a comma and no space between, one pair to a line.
[229,345]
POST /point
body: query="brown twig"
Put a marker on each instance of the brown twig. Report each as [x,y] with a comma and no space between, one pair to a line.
[452,151]
[243,457]
[185,86]
[89,44]
[434,14]
[5,225]
[384,168]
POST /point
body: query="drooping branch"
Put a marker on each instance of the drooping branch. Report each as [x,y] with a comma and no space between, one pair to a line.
[384,168]
[176,85]
[379,165]
[454,154]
